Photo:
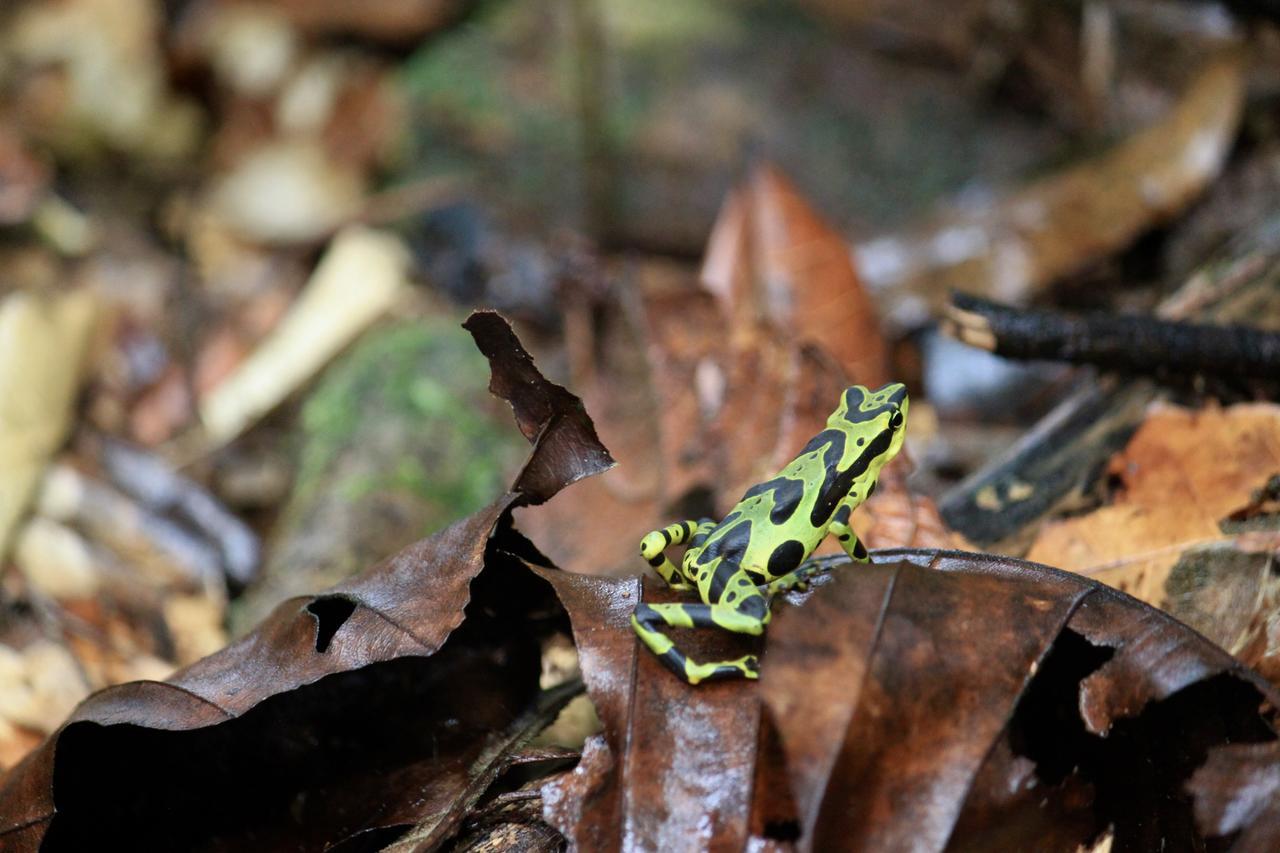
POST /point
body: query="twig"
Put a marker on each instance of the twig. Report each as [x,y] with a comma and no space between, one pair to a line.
[1140,344]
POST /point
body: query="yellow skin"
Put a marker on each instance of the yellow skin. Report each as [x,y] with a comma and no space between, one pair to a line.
[761,547]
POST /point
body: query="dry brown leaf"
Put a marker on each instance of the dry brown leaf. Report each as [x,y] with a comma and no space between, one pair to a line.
[1183,473]
[772,260]
[1191,529]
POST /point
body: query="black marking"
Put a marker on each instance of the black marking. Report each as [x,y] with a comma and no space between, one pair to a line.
[853,397]
[842,514]
[787,494]
[666,534]
[729,546]
[837,483]
[753,606]
[674,660]
[859,550]
[843,537]
[657,560]
[825,440]
[871,491]
[786,557]
[861,441]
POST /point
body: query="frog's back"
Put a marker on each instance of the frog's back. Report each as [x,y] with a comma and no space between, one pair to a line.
[779,522]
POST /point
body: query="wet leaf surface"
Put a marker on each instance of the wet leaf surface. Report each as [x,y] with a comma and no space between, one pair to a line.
[933,700]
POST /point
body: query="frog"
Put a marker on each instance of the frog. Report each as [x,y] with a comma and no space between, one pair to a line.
[761,548]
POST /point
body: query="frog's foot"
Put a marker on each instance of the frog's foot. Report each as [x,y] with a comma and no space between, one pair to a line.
[648,617]
[797,580]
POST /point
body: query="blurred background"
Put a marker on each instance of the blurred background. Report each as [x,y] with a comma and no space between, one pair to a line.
[238,237]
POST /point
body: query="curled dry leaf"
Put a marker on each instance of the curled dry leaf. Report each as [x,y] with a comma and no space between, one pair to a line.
[1015,245]
[369,707]
[1189,530]
[931,700]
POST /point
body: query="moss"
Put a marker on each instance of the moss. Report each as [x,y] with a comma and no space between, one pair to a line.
[408,411]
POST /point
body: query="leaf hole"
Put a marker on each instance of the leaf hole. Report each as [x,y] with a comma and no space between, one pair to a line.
[331,612]
[782,830]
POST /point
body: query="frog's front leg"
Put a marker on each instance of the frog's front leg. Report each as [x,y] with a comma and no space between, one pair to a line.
[846,537]
[798,579]
[748,615]
[654,545]
[806,571]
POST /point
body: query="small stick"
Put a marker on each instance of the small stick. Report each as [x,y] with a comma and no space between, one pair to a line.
[1141,344]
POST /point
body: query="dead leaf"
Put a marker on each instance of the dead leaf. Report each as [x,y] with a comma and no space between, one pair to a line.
[931,700]
[771,260]
[1237,790]
[370,705]
[1169,536]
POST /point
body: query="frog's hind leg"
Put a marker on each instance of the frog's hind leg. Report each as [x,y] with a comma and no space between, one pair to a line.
[654,545]
[748,615]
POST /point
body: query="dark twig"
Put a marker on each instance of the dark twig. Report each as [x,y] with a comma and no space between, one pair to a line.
[1139,344]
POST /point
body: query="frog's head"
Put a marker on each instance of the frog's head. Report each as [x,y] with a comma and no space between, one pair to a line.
[879,417]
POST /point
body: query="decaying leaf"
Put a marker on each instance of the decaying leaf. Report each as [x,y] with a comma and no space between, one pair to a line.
[1237,790]
[367,707]
[1189,529]
[932,700]
[929,700]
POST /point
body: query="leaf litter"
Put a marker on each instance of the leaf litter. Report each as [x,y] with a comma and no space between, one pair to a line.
[934,698]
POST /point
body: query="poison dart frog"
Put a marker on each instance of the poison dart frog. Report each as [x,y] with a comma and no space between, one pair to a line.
[761,547]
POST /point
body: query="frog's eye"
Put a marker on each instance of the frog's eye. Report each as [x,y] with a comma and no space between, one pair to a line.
[895,421]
